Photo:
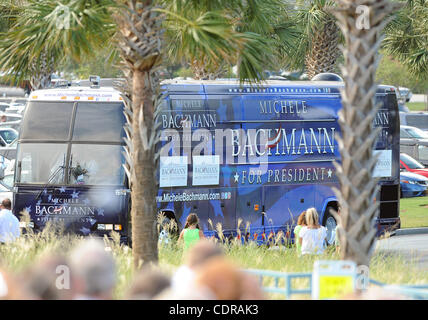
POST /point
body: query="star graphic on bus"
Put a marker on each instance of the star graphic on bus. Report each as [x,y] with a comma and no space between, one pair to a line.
[62,189]
[84,230]
[75,195]
[86,201]
[28,209]
[236,176]
[329,172]
[100,211]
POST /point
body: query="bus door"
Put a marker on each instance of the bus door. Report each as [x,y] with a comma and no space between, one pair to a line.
[249,207]
[222,210]
[284,203]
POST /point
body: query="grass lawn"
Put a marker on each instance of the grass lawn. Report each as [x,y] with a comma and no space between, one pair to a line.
[416,106]
[414,212]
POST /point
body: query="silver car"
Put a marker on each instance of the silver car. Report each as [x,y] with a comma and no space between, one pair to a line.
[414,142]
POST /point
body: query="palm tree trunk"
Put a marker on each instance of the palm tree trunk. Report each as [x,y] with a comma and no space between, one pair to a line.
[324,49]
[140,42]
[42,70]
[357,185]
[144,190]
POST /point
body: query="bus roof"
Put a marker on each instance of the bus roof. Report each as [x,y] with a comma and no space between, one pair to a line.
[77,94]
[267,86]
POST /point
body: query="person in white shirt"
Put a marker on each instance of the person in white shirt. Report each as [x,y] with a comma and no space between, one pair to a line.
[9,224]
[312,236]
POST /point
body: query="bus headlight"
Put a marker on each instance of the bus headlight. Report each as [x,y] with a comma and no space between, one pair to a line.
[117,227]
[26,224]
[104,227]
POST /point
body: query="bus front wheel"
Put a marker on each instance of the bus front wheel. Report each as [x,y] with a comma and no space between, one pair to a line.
[330,224]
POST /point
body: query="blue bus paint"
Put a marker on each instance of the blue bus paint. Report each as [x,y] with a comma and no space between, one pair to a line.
[69,158]
[300,121]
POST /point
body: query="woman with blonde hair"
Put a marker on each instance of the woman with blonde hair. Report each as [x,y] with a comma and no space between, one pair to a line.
[312,236]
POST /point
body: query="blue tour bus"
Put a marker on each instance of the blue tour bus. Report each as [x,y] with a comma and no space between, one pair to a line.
[240,156]
[69,161]
[254,157]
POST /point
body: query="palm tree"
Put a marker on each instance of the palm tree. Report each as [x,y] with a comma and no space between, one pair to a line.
[140,41]
[406,37]
[209,37]
[355,172]
[259,32]
[317,44]
[44,32]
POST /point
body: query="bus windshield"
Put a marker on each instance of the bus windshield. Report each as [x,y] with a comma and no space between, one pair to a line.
[72,143]
[96,164]
[42,162]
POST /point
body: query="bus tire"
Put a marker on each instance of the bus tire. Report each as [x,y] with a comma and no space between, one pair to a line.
[166,232]
[330,224]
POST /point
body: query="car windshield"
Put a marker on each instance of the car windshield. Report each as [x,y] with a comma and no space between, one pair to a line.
[410,162]
[417,133]
[8,135]
[8,181]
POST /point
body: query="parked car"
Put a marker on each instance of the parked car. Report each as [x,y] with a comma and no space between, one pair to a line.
[16,108]
[7,136]
[4,106]
[409,164]
[6,187]
[402,107]
[10,120]
[413,133]
[414,142]
[415,119]
[8,142]
[405,93]
[412,185]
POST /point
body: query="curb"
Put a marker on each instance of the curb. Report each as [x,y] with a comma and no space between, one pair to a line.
[409,231]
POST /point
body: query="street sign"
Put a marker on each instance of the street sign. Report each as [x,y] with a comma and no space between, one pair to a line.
[333,279]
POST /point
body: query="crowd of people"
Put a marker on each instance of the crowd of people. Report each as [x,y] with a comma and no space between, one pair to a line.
[89,270]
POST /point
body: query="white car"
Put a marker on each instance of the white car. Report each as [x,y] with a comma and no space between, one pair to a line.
[415,119]
[6,186]
[16,108]
[4,106]
[10,120]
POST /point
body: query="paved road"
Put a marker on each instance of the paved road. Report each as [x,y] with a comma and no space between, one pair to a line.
[410,246]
